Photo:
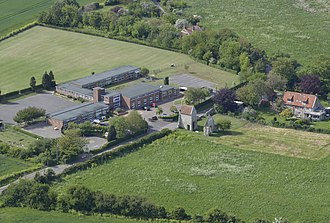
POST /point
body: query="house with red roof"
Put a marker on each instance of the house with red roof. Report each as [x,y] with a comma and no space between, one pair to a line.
[304,105]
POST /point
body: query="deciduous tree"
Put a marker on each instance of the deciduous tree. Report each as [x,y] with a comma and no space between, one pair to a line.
[225,99]
[310,84]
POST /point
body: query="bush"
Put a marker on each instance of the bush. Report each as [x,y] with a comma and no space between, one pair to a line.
[29,114]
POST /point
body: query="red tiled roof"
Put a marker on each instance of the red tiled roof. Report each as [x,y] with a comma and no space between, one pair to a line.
[186,109]
[299,99]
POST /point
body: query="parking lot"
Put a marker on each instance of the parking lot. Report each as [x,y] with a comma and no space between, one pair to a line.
[159,124]
[49,102]
[186,80]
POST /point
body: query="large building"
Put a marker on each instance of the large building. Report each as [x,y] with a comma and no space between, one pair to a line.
[101,101]
[82,88]
[78,114]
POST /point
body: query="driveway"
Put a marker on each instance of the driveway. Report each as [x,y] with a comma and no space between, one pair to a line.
[95,142]
[44,130]
[47,101]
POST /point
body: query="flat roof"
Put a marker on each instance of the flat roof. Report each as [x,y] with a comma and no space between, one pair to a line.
[111,93]
[75,111]
[165,87]
[77,89]
[138,90]
[104,75]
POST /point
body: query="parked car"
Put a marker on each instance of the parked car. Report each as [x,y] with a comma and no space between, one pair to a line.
[147,108]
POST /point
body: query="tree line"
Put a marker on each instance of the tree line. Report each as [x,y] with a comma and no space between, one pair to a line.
[38,194]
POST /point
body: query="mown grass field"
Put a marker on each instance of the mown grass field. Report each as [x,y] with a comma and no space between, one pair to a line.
[15,215]
[72,55]
[298,27]
[199,173]
[288,142]
[13,137]
[17,13]
[10,165]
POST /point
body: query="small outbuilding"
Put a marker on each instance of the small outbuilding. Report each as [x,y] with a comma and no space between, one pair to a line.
[188,118]
[209,126]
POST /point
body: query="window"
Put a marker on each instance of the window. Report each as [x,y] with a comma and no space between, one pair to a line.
[150,99]
[139,103]
[133,105]
[145,101]
[157,97]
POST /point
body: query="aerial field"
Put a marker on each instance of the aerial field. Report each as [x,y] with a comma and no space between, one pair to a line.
[13,137]
[298,27]
[13,215]
[199,173]
[10,165]
[17,13]
[72,55]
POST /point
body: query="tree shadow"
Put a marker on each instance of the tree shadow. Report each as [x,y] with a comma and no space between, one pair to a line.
[226,133]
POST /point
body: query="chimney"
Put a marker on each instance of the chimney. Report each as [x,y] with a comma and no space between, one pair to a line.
[97,93]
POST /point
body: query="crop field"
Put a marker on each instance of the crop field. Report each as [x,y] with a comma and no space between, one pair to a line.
[13,137]
[13,215]
[10,165]
[17,13]
[198,173]
[298,27]
[73,55]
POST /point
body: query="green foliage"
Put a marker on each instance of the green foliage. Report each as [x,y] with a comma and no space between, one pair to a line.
[267,33]
[144,71]
[33,83]
[27,193]
[179,213]
[287,113]
[159,110]
[29,114]
[46,81]
[196,95]
[166,81]
[27,215]
[223,124]
[135,122]
[174,109]
[70,145]
[216,215]
[286,68]
[112,134]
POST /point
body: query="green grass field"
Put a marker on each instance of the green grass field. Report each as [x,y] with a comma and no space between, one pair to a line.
[10,165]
[17,13]
[15,215]
[288,142]
[72,55]
[298,27]
[199,173]
[13,137]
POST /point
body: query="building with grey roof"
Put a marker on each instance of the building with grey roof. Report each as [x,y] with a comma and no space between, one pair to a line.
[105,78]
[142,95]
[78,114]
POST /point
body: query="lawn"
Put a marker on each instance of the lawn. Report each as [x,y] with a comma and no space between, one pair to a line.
[298,27]
[10,165]
[73,55]
[13,137]
[199,173]
[17,13]
[13,215]
[288,142]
